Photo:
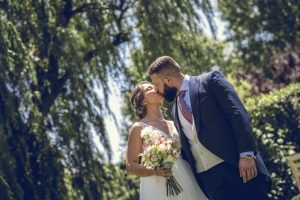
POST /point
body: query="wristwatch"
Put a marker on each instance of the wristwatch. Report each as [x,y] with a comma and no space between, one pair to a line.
[248,156]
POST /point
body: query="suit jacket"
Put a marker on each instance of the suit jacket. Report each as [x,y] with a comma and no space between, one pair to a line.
[222,123]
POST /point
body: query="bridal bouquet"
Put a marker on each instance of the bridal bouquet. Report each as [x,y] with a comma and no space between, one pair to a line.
[160,152]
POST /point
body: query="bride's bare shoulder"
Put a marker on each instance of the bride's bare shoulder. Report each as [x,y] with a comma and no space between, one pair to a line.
[136,128]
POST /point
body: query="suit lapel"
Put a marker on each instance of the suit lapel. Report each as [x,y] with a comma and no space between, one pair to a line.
[194,85]
[183,139]
[175,115]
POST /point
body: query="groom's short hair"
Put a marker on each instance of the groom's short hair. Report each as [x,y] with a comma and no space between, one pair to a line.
[164,65]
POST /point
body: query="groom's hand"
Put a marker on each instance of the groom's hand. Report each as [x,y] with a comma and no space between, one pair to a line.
[247,168]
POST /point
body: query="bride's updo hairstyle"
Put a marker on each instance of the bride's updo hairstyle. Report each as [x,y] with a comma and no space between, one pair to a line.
[137,99]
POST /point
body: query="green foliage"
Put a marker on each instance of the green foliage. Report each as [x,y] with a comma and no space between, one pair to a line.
[55,54]
[296,197]
[276,122]
[283,69]
[124,186]
[259,29]
[26,157]
[55,60]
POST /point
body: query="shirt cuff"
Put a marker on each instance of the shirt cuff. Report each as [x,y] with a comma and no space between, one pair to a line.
[248,153]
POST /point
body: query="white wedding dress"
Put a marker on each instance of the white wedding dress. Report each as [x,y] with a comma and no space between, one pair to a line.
[154,187]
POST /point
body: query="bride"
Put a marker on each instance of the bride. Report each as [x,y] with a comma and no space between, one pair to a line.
[146,103]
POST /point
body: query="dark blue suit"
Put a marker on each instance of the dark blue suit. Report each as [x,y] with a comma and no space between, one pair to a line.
[223,127]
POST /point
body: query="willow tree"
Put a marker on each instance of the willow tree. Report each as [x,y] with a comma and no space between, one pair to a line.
[53,57]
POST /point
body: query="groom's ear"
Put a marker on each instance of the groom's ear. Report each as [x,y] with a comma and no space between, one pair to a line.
[168,80]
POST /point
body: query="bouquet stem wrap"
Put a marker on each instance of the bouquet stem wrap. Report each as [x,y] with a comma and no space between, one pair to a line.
[173,187]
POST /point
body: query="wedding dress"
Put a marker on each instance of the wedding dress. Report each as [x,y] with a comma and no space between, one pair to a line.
[154,187]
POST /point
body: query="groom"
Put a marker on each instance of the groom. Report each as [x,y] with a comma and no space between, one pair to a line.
[215,132]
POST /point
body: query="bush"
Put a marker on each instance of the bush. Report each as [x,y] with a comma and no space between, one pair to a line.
[276,124]
[296,197]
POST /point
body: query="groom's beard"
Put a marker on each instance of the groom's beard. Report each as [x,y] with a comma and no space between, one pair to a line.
[169,93]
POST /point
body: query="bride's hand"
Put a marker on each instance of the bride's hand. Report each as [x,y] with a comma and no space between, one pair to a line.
[163,172]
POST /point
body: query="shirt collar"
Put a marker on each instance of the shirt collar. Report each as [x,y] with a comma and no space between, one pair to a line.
[185,83]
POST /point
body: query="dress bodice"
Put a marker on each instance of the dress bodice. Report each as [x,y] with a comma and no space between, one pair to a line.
[156,132]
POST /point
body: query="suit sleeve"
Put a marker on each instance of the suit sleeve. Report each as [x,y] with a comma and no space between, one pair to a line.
[232,107]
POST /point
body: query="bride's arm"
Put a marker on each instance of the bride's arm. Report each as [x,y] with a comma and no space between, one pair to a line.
[133,150]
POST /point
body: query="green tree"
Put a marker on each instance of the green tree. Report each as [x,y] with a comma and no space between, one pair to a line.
[260,29]
[53,57]
[283,69]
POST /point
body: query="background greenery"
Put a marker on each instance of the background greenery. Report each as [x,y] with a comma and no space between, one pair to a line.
[57,57]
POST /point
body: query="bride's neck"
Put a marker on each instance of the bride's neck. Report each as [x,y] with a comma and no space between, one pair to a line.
[153,113]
